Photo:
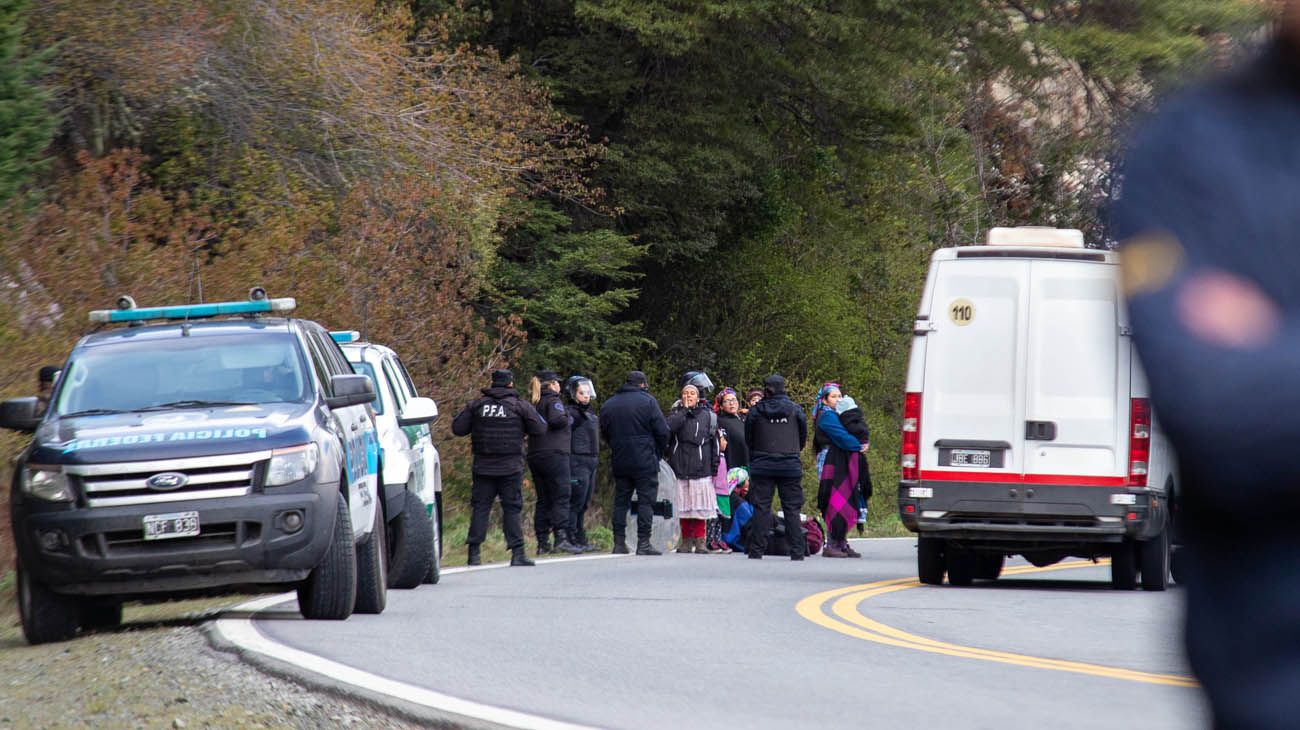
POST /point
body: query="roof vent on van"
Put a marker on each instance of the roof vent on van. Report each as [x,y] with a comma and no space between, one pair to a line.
[1036,236]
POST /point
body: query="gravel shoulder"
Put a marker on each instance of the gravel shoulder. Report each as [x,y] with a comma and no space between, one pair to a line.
[157,671]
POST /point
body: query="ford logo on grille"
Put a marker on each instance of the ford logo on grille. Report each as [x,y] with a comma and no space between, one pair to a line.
[166,481]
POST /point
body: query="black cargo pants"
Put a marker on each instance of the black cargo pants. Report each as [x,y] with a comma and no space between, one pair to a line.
[485,489]
[582,469]
[761,489]
[647,491]
[551,479]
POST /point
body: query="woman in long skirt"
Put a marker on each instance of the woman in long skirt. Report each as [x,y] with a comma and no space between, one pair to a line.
[842,465]
[693,453]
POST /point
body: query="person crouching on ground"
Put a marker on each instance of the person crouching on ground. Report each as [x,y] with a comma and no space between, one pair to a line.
[496,424]
[693,453]
[841,466]
[776,430]
[633,426]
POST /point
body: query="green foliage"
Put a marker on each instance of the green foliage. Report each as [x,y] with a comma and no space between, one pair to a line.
[568,286]
[27,123]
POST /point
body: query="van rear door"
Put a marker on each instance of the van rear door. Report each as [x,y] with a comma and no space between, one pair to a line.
[1076,375]
[972,412]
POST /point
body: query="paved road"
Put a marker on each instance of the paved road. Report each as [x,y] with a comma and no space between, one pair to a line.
[717,641]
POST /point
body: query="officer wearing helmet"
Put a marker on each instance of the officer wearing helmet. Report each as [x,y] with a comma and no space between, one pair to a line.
[584,454]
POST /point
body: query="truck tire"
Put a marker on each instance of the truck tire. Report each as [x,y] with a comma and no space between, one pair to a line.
[46,616]
[434,573]
[372,568]
[989,567]
[1153,561]
[101,614]
[411,546]
[961,567]
[1123,566]
[330,591]
[929,560]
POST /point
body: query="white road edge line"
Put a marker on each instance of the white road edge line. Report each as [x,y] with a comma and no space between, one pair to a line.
[242,633]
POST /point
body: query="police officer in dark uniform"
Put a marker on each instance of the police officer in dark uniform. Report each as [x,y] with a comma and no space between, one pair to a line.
[548,459]
[776,431]
[584,456]
[497,423]
[635,429]
[1207,221]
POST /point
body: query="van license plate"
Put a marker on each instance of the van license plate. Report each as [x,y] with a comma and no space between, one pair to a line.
[175,524]
[981,458]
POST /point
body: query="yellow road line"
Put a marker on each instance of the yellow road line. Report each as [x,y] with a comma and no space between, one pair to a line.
[848,618]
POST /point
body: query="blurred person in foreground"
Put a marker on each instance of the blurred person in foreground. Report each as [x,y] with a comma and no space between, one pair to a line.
[1209,226]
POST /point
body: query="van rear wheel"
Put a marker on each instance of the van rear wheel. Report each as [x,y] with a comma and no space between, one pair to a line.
[929,560]
[989,567]
[1153,561]
[961,567]
[1123,566]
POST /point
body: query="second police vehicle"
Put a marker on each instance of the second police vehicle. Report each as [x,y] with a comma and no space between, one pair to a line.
[410,472]
[199,448]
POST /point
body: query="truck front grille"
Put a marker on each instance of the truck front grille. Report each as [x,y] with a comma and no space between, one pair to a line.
[206,477]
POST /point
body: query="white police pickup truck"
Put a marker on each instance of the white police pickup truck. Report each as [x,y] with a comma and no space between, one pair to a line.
[199,449]
[409,467]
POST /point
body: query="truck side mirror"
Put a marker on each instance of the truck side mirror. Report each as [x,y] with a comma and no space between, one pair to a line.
[418,411]
[350,390]
[20,414]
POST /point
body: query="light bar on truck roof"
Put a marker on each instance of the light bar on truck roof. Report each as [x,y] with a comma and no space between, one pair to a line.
[345,336]
[1036,236]
[193,311]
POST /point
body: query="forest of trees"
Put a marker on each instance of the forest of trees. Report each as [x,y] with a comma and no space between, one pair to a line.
[739,186]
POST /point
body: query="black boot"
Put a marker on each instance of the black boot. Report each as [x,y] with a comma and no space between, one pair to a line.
[544,546]
[518,557]
[643,547]
[620,544]
[564,545]
[474,557]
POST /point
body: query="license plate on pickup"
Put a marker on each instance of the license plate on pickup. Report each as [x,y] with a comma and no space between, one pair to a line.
[168,526]
[982,458]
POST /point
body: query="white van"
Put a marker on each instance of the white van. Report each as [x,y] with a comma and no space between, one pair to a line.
[1027,429]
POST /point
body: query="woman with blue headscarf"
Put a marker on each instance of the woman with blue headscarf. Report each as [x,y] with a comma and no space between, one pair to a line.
[841,466]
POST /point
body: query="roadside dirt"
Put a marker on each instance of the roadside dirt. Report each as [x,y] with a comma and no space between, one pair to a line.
[157,671]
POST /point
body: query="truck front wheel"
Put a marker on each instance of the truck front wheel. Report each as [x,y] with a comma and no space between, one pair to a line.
[46,616]
[330,591]
[412,544]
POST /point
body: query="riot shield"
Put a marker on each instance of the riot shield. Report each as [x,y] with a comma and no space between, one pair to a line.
[665,531]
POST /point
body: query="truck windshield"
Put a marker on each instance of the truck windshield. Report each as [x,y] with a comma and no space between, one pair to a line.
[368,370]
[185,372]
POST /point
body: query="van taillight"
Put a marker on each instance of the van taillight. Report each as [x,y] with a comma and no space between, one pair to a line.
[1139,441]
[911,460]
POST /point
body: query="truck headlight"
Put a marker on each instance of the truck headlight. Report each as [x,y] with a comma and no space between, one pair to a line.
[292,464]
[46,482]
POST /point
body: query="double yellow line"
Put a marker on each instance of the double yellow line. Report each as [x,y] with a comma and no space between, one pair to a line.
[846,617]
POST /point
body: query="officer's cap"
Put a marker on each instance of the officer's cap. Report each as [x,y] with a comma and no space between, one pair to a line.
[502,378]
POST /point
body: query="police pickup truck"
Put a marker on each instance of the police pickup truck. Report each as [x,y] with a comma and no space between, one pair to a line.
[199,449]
